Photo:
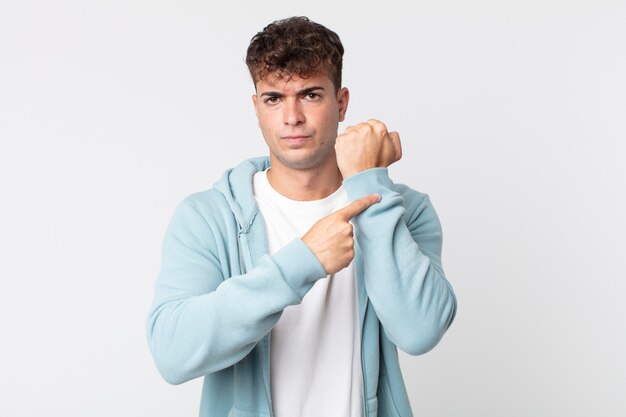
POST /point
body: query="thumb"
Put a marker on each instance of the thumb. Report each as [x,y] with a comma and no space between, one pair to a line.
[358,206]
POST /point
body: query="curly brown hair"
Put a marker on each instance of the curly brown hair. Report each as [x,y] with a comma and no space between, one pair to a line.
[295,46]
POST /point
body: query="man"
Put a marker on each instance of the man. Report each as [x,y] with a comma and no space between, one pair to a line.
[290,284]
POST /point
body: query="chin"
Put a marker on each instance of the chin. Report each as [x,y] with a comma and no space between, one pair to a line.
[303,161]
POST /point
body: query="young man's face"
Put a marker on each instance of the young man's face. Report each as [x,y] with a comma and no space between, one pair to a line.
[299,118]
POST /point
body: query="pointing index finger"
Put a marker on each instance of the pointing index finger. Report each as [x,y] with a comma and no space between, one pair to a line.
[358,206]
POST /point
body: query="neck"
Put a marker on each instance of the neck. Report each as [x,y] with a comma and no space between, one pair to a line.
[305,184]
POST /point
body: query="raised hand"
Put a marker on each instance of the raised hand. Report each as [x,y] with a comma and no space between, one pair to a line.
[366,145]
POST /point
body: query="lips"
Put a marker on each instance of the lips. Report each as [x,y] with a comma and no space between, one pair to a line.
[295,140]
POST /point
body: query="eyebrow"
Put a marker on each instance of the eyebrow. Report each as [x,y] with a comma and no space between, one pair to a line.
[299,93]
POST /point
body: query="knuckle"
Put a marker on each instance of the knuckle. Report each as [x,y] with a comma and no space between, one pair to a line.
[364,127]
[377,125]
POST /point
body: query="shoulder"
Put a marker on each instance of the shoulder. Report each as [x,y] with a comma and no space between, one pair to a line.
[208,205]
[201,221]
[206,202]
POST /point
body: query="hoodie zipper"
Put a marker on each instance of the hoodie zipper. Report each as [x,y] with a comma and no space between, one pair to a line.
[365,411]
[245,264]
[358,256]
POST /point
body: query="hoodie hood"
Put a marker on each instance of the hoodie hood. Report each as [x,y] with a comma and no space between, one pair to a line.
[236,187]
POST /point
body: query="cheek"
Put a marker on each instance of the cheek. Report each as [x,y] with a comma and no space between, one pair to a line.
[329,122]
[265,122]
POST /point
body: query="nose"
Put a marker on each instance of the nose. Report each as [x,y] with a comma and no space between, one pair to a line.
[292,113]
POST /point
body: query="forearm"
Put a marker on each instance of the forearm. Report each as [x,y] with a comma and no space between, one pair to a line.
[402,258]
[411,297]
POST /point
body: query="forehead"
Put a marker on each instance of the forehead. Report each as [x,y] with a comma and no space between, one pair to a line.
[290,82]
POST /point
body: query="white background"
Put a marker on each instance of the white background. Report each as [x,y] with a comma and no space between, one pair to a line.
[512,116]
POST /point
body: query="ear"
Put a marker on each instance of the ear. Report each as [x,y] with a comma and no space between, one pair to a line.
[343,97]
[256,107]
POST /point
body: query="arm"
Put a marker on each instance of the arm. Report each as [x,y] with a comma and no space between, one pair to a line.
[201,322]
[401,239]
[401,242]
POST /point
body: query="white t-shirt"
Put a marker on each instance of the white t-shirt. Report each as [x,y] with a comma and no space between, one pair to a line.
[315,353]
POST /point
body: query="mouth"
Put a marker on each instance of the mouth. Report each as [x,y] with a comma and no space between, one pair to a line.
[295,140]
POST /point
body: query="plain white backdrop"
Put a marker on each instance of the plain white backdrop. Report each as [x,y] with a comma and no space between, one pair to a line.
[512,116]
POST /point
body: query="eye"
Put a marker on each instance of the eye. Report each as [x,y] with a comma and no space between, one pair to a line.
[271,100]
[312,96]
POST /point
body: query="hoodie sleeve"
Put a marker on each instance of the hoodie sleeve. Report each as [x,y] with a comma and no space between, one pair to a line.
[200,322]
[401,241]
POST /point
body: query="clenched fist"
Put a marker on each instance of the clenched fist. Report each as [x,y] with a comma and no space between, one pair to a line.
[367,145]
[331,238]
